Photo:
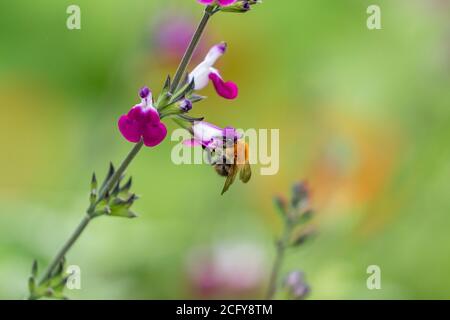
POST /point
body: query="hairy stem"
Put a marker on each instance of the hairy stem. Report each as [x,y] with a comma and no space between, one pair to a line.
[131,155]
[281,246]
[190,50]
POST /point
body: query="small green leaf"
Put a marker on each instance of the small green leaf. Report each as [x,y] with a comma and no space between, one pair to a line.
[94,182]
[184,91]
[190,119]
[196,98]
[167,84]
[31,285]
[121,208]
[127,186]
[110,173]
[165,95]
[303,236]
[34,269]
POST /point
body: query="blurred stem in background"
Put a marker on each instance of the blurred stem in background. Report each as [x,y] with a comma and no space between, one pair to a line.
[281,247]
[53,280]
[296,216]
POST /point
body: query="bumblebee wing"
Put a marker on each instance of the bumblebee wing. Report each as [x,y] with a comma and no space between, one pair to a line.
[246,173]
[230,179]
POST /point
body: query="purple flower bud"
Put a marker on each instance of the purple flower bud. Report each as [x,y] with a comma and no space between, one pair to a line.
[144,92]
[186,105]
[300,195]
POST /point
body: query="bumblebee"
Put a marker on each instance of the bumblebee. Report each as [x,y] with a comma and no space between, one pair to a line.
[234,158]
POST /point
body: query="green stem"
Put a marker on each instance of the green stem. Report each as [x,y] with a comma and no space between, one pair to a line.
[209,11]
[66,247]
[282,244]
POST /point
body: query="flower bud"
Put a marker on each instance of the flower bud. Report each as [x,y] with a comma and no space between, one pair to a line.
[185,105]
[144,92]
[238,7]
[300,196]
[241,6]
[296,285]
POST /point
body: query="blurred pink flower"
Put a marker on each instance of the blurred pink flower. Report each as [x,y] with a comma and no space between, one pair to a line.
[227,270]
[172,35]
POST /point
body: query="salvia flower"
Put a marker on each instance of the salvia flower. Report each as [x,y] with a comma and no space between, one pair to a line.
[205,71]
[211,136]
[142,122]
[222,3]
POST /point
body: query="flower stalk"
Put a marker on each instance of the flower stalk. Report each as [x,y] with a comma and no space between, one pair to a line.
[209,11]
[281,247]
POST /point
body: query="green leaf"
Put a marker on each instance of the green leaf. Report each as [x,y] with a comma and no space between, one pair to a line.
[167,84]
[184,91]
[34,269]
[110,173]
[121,208]
[94,182]
[190,119]
[196,98]
[165,95]
[303,236]
[127,186]
[31,285]
[94,185]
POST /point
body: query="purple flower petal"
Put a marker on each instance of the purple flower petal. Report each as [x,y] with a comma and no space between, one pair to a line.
[154,134]
[130,129]
[142,123]
[225,3]
[227,90]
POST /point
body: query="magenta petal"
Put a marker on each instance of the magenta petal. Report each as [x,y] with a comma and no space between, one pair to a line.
[151,116]
[225,3]
[154,134]
[130,129]
[205,1]
[136,113]
[227,90]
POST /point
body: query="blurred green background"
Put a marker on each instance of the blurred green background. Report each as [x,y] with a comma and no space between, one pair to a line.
[364,116]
